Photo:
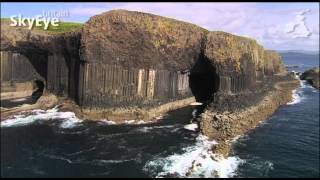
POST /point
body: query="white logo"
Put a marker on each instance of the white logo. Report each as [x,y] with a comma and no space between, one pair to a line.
[45,20]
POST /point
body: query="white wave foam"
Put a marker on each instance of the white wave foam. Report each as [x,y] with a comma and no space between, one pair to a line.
[21,120]
[295,98]
[175,130]
[106,122]
[304,84]
[147,129]
[142,122]
[109,122]
[69,118]
[82,151]
[196,104]
[129,121]
[194,113]
[19,100]
[191,127]
[236,138]
[18,121]
[296,74]
[103,162]
[269,165]
[196,161]
[159,117]
[38,111]
[70,122]
[297,94]
[59,158]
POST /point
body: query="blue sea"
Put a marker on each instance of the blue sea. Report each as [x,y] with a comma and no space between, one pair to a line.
[52,143]
[287,143]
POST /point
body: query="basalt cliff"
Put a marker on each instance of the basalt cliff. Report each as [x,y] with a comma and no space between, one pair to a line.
[126,64]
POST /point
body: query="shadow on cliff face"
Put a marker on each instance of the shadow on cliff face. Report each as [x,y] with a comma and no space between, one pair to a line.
[203,81]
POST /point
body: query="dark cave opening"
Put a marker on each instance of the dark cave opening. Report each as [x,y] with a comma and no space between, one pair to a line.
[203,81]
[38,89]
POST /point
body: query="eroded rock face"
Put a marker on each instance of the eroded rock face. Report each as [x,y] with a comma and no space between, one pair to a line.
[54,57]
[237,60]
[233,53]
[23,40]
[135,39]
[272,63]
[130,58]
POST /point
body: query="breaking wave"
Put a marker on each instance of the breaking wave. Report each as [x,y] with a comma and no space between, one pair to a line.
[297,94]
[296,97]
[191,127]
[19,99]
[148,129]
[196,161]
[69,119]
[106,122]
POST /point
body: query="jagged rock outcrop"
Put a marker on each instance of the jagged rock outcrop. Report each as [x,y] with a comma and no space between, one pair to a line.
[312,76]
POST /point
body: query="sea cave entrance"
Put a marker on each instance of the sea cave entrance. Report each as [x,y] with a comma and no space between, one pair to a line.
[203,81]
[38,87]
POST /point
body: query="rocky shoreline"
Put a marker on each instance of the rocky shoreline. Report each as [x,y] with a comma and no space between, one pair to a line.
[225,126]
[116,114]
[124,65]
[312,76]
[121,115]
[219,121]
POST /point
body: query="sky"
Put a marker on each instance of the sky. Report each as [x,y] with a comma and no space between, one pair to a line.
[277,26]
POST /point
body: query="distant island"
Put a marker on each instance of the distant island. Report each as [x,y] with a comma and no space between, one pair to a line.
[298,52]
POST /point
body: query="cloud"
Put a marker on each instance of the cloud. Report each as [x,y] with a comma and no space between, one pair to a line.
[81,10]
[214,16]
[298,28]
[87,11]
[276,26]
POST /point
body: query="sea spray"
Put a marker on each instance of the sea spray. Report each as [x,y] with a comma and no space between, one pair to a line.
[106,122]
[19,99]
[69,120]
[191,127]
[297,94]
[196,161]
[296,98]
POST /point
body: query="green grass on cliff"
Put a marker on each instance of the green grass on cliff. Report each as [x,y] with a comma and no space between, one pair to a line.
[62,28]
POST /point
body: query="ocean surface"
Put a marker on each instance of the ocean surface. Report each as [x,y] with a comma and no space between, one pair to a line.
[58,144]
